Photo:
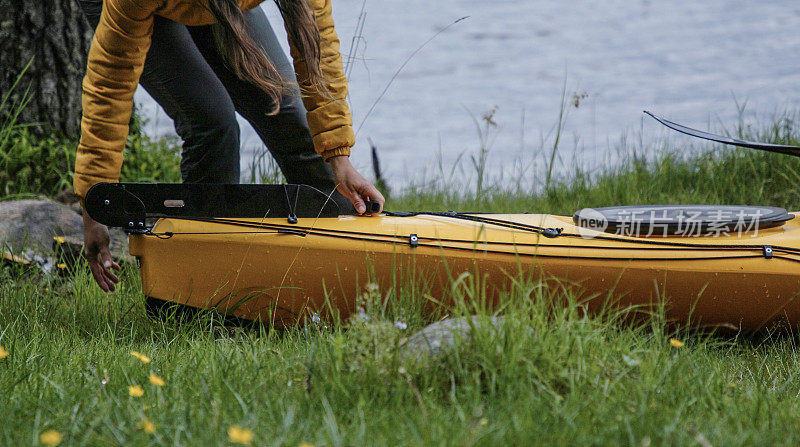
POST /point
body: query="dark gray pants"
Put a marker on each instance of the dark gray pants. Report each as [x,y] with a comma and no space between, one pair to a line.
[186,75]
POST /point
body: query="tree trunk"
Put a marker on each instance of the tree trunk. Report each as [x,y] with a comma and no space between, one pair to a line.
[54,37]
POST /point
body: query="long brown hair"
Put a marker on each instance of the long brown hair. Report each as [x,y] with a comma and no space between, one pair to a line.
[249,62]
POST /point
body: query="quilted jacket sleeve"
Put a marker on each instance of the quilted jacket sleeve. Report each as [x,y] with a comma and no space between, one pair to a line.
[328,117]
[115,64]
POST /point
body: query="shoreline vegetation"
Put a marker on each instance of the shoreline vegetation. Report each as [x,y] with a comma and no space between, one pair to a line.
[78,366]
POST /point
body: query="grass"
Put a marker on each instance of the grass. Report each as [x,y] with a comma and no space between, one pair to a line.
[546,375]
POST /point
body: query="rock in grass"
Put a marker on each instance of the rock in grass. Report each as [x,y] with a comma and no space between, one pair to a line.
[32,224]
[29,226]
[437,339]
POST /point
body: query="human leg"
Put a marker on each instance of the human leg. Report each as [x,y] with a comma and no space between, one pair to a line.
[285,134]
[177,76]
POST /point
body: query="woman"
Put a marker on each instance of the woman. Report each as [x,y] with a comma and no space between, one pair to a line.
[204,60]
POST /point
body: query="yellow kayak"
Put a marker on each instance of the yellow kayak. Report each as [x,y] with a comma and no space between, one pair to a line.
[281,272]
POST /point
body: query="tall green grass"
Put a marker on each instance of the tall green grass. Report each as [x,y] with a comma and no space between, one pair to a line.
[543,375]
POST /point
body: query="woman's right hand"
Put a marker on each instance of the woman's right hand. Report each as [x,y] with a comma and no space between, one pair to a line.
[353,185]
[95,243]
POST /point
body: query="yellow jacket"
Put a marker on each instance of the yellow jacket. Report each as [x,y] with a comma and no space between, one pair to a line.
[115,64]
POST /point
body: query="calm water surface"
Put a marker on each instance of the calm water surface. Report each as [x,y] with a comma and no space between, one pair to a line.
[690,61]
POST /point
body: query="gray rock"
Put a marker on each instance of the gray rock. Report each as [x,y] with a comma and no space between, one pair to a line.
[437,339]
[30,225]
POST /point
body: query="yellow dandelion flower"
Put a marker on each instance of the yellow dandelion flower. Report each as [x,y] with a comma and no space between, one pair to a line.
[675,343]
[61,265]
[239,435]
[3,352]
[135,391]
[50,437]
[305,444]
[155,380]
[58,239]
[146,426]
[142,358]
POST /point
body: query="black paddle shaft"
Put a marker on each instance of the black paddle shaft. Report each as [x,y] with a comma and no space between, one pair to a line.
[129,205]
[769,147]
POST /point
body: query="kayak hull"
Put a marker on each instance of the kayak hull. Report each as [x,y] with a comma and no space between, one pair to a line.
[283,273]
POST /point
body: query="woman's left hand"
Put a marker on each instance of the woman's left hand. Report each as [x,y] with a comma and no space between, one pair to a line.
[353,185]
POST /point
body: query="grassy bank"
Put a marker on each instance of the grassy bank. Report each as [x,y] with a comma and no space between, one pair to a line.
[544,376]
[658,172]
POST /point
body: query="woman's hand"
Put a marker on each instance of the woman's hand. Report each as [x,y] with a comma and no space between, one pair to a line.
[353,185]
[95,243]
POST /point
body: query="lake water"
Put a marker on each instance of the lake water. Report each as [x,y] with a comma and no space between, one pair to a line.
[689,61]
